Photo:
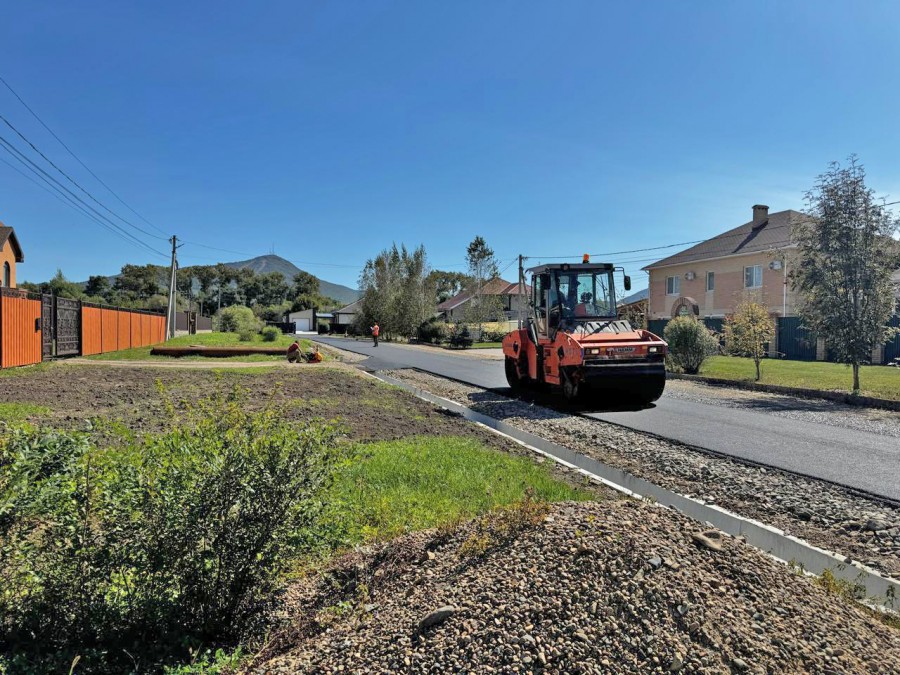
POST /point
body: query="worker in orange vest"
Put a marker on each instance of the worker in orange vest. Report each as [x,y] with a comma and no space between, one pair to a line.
[375,331]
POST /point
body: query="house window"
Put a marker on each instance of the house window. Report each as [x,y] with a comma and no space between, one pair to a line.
[6,275]
[753,276]
[673,285]
[710,281]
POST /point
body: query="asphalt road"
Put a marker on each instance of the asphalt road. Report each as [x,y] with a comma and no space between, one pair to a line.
[858,459]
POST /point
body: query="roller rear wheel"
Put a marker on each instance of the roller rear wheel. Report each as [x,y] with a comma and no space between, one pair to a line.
[512,375]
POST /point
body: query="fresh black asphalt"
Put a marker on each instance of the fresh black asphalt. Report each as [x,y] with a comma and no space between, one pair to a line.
[858,459]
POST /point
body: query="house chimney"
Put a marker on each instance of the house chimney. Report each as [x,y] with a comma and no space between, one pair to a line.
[760,214]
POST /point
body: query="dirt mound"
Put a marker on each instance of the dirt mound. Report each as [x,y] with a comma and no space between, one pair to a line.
[590,588]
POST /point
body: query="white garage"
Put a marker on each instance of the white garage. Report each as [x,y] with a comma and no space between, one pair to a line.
[304,322]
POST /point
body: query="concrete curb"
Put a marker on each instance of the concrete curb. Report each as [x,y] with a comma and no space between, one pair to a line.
[879,590]
[840,397]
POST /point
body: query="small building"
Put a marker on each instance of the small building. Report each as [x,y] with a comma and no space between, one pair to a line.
[510,301]
[304,320]
[711,278]
[10,254]
[344,317]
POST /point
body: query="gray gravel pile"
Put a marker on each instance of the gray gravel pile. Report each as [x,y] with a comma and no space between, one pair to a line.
[593,588]
[823,514]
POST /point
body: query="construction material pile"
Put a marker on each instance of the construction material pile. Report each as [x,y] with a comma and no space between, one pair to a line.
[577,588]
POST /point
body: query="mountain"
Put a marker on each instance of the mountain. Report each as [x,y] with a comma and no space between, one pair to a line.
[634,297]
[272,263]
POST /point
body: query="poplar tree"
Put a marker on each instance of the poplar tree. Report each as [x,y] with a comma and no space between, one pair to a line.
[846,255]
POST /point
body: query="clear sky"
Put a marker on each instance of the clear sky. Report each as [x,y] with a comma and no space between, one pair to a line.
[328,130]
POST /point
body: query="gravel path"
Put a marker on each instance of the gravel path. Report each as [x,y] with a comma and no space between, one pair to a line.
[620,587]
[820,411]
[826,515]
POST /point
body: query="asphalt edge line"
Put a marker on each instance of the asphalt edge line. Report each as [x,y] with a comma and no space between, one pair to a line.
[880,591]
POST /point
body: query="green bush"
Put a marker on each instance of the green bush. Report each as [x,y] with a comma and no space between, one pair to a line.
[237,319]
[492,336]
[690,343]
[269,334]
[136,554]
[434,331]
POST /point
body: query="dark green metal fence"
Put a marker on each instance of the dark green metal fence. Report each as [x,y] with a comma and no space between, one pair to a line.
[794,341]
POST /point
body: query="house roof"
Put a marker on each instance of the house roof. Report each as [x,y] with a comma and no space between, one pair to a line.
[496,286]
[7,233]
[352,308]
[772,233]
[640,296]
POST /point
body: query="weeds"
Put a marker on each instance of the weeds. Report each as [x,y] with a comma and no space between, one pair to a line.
[133,554]
[500,526]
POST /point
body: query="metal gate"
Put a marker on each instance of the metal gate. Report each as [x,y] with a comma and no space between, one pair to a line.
[60,327]
[67,328]
[46,327]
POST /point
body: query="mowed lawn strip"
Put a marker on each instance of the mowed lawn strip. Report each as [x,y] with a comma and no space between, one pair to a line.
[388,488]
[206,340]
[877,381]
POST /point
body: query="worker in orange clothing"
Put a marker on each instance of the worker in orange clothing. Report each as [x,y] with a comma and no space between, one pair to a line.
[376,331]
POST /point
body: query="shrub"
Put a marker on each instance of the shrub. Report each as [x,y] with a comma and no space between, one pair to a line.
[269,334]
[433,331]
[237,319]
[492,336]
[135,554]
[690,343]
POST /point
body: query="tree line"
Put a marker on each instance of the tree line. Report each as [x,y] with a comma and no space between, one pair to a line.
[206,288]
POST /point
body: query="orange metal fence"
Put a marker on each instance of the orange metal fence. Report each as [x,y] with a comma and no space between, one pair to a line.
[103,329]
[107,330]
[20,329]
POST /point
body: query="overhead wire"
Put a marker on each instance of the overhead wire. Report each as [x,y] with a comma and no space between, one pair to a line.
[76,183]
[70,196]
[76,157]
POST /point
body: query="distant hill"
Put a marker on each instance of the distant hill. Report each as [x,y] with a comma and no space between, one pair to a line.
[272,263]
[634,297]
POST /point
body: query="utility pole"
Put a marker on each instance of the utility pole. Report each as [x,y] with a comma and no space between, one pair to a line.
[521,290]
[170,310]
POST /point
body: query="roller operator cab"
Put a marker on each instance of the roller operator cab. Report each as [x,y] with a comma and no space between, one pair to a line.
[573,339]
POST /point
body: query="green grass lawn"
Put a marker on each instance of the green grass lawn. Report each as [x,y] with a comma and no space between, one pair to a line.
[878,381]
[205,340]
[13,413]
[394,487]
[487,345]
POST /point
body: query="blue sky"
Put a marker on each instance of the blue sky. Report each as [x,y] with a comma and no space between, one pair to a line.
[330,130]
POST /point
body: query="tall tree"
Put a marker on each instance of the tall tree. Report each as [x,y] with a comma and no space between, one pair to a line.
[305,284]
[63,288]
[139,282]
[482,264]
[445,285]
[846,254]
[395,293]
[97,286]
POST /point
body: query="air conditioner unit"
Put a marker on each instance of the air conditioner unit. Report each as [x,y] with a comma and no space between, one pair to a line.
[775,265]
[689,276]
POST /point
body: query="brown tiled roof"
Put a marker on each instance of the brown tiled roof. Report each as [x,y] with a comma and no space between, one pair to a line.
[7,233]
[773,233]
[496,286]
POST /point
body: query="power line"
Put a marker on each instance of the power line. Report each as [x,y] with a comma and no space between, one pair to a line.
[77,159]
[69,196]
[74,182]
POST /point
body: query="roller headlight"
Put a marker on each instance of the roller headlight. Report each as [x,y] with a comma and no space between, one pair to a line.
[652,350]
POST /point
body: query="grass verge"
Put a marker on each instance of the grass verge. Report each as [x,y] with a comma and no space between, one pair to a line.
[394,487]
[205,340]
[877,381]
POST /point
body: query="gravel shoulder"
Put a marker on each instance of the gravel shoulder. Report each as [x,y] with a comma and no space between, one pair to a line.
[826,515]
[587,588]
